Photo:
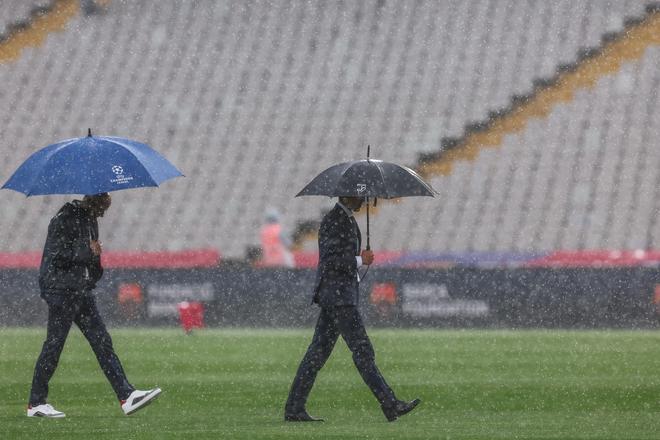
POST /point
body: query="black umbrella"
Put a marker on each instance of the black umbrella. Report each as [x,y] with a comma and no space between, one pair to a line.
[368,178]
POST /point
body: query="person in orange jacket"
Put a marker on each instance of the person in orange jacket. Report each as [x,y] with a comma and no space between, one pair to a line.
[274,244]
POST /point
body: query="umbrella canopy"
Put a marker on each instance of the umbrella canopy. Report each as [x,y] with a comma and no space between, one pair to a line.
[91,165]
[368,178]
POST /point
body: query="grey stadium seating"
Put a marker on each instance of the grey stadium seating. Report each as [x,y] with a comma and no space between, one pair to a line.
[250,99]
[15,14]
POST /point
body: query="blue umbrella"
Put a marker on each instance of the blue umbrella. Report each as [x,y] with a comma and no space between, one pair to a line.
[91,165]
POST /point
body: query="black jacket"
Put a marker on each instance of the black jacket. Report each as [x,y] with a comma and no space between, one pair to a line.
[336,276]
[68,264]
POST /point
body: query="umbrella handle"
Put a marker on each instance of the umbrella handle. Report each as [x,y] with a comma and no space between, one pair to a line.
[368,243]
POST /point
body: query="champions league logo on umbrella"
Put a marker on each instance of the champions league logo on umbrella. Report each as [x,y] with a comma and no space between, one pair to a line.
[120,178]
[361,187]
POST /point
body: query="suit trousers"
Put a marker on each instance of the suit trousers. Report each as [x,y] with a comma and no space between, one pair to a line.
[332,322]
[63,311]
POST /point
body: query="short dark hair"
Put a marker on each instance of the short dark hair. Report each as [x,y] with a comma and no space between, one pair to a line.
[97,200]
[350,198]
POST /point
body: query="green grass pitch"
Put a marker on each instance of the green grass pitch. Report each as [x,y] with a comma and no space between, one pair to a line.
[232,383]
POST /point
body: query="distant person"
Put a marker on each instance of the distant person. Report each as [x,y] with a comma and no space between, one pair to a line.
[70,269]
[336,292]
[275,246]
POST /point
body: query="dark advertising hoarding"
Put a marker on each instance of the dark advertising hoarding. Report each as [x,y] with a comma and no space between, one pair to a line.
[458,297]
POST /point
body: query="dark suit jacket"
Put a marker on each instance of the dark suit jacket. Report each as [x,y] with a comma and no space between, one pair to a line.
[68,264]
[336,276]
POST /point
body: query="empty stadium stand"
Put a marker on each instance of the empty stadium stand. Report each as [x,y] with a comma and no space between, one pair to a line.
[16,15]
[584,178]
[250,99]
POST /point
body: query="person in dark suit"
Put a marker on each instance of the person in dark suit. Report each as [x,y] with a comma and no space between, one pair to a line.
[70,269]
[336,291]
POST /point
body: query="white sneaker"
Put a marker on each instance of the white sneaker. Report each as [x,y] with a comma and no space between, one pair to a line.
[45,410]
[138,400]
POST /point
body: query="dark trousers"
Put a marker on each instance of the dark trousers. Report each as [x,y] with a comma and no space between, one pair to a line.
[63,310]
[347,322]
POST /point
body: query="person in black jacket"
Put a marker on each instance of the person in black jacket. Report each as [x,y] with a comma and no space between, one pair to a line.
[336,291]
[70,269]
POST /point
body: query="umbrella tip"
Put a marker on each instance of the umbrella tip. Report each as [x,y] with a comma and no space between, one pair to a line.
[368,151]
[89,132]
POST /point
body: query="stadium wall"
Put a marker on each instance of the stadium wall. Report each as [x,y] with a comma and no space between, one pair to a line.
[626,297]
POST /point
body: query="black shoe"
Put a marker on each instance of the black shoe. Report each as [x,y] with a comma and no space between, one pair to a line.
[400,408]
[300,416]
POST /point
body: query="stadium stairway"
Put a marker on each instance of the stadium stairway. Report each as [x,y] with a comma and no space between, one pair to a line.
[592,64]
[31,31]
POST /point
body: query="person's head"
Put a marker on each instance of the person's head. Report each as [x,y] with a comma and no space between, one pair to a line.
[97,204]
[272,216]
[352,203]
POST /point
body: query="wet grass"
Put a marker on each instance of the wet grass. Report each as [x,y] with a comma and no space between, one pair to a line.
[225,384]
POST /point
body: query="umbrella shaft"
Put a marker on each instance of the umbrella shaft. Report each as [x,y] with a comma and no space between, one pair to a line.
[368,243]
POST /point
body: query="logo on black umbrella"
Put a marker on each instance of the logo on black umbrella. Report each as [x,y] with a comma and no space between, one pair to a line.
[361,187]
[119,175]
